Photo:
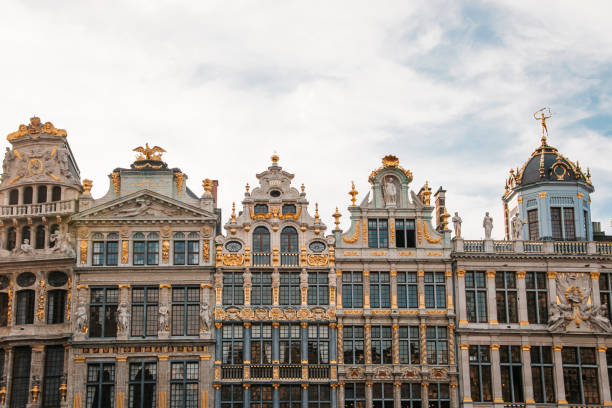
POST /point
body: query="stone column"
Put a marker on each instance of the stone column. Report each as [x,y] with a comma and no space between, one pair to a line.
[163,380]
[218,395]
[275,350]
[340,342]
[559,380]
[338,289]
[275,287]
[36,376]
[450,306]
[368,393]
[552,287]
[366,289]
[397,394]
[122,377]
[491,303]
[454,397]
[464,372]
[164,304]
[40,302]
[246,349]
[334,396]
[527,380]
[275,397]
[395,341]
[368,341]
[340,395]
[332,351]
[522,298]
[206,379]
[425,394]
[498,398]
[79,378]
[604,381]
[393,275]
[304,395]
[452,360]
[595,292]
[247,395]
[304,349]
[421,289]
[423,342]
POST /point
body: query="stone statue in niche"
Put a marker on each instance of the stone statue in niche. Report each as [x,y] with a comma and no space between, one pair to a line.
[205,317]
[487,224]
[123,317]
[390,191]
[163,318]
[81,316]
[457,225]
[517,226]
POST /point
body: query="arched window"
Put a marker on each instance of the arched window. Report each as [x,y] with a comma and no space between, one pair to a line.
[11,239]
[27,195]
[42,194]
[289,246]
[56,306]
[25,234]
[40,237]
[14,197]
[52,231]
[25,307]
[56,193]
[3,309]
[261,246]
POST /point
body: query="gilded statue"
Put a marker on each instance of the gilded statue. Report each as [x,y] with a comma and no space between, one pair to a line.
[149,153]
[542,118]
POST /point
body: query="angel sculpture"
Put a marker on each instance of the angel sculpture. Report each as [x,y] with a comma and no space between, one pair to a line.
[149,153]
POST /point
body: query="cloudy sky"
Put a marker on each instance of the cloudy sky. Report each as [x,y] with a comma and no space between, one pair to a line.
[449,87]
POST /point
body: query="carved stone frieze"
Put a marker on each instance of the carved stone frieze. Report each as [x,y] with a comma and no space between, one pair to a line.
[275,313]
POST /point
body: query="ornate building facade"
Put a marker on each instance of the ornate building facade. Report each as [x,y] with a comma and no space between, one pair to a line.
[141,299]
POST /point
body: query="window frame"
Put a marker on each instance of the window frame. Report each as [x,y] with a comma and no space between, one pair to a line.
[407,290]
[318,343]
[351,341]
[261,342]
[437,345]
[533,224]
[318,289]
[514,391]
[537,312]
[56,314]
[183,383]
[437,389]
[99,384]
[147,302]
[540,378]
[24,313]
[380,397]
[483,368]
[103,305]
[378,233]
[142,384]
[380,290]
[233,343]
[349,291]
[289,289]
[435,290]
[580,366]
[191,311]
[479,295]
[504,295]
[381,345]
[233,288]
[261,288]
[287,344]
[236,399]
[409,345]
[405,235]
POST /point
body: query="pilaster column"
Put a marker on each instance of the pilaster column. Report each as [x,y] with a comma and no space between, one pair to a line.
[368,393]
[595,291]
[164,311]
[552,287]
[333,287]
[338,278]
[368,341]
[527,380]
[246,395]
[340,395]
[559,380]
[491,301]
[304,350]
[397,394]
[304,391]
[121,380]
[395,342]
[340,343]
[36,372]
[332,351]
[454,397]
[451,345]
[41,302]
[218,395]
[275,397]
[393,275]
[604,382]
[450,305]
[425,394]
[496,375]
[304,288]
[275,288]
[79,393]
[464,372]
[421,288]
[218,342]
[423,342]
[522,298]
[248,286]
[246,350]
[366,289]
[334,395]
[5,386]
[206,379]
[275,345]
[163,379]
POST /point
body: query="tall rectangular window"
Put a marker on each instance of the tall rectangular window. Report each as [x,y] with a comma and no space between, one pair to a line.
[184,384]
[569,223]
[439,395]
[353,345]
[318,344]
[54,369]
[381,345]
[145,310]
[56,306]
[506,297]
[377,233]
[407,290]
[380,290]
[609,361]
[318,288]
[233,288]
[605,291]
[3,309]
[409,345]
[103,312]
[25,307]
[382,395]
[586,225]
[232,396]
[405,234]
[410,395]
[542,374]
[476,297]
[232,344]
[437,345]
[354,395]
[533,225]
[537,297]
[100,385]
[480,374]
[20,386]
[511,373]
[555,223]
[290,396]
[261,343]
[580,375]
[106,252]
[261,288]
[142,384]
[319,396]
[186,249]
[185,310]
[261,396]
[290,344]
[290,289]
[352,290]
[435,290]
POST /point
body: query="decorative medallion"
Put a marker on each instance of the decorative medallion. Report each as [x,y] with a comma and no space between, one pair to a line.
[233,259]
[233,246]
[317,246]
[26,279]
[57,278]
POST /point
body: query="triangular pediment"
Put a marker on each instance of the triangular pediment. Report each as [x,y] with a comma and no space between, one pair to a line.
[144,205]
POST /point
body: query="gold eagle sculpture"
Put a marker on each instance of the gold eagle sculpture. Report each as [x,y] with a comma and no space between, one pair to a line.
[149,153]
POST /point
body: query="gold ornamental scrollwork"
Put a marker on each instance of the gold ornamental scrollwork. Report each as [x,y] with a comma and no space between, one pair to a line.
[428,237]
[68,298]
[116,181]
[41,301]
[180,179]
[419,232]
[125,251]
[206,251]
[259,216]
[35,128]
[84,232]
[317,259]
[291,215]
[165,251]
[355,237]
[233,259]
[83,247]
[390,161]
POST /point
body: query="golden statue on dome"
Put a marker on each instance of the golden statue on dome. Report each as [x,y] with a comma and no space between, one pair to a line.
[542,118]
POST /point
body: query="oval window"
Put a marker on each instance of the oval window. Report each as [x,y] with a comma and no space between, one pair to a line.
[57,278]
[26,279]
[4,282]
[275,193]
[317,246]
[233,246]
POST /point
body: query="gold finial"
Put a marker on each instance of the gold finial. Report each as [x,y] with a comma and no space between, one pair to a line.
[337,216]
[274,158]
[247,187]
[303,188]
[234,212]
[542,118]
[149,153]
[87,185]
[207,184]
[35,128]
[353,193]
[445,217]
[390,161]
[317,218]
[426,194]
[588,175]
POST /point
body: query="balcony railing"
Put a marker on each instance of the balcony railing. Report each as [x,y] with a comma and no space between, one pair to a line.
[503,246]
[604,248]
[267,371]
[318,372]
[262,371]
[533,247]
[56,207]
[231,372]
[473,246]
[289,259]
[290,371]
[570,247]
[261,259]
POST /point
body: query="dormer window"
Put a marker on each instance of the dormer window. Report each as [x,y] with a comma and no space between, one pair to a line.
[261,209]
[289,209]
[146,251]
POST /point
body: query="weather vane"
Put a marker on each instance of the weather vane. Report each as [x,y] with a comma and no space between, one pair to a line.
[542,118]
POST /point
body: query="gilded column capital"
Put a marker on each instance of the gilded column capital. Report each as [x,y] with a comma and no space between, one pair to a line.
[246,325]
[521,274]
[602,349]
[393,272]
[448,273]
[303,324]
[460,273]
[525,347]
[494,346]
[464,346]
[594,275]
[557,347]
[420,272]
[552,274]
[491,273]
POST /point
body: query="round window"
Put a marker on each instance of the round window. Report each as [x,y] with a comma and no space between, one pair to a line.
[26,279]
[233,246]
[4,282]
[317,246]
[275,193]
[57,278]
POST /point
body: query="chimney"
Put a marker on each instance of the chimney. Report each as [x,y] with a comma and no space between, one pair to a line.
[213,191]
[440,197]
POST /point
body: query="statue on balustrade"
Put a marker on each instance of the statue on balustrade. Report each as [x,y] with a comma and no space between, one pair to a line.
[487,223]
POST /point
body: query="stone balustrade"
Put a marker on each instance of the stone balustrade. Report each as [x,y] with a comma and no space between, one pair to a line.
[41,209]
[532,247]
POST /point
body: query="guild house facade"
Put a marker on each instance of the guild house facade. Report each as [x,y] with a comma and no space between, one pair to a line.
[147,297]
